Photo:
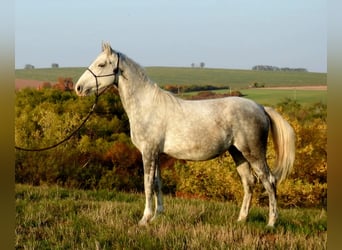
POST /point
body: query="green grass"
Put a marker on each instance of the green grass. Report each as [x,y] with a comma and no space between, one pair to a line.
[189,76]
[236,79]
[233,78]
[49,74]
[58,218]
[272,97]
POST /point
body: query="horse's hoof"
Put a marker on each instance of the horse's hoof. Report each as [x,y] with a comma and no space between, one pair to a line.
[242,219]
[143,223]
[270,225]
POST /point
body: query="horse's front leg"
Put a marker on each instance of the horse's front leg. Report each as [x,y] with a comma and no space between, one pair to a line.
[158,192]
[151,185]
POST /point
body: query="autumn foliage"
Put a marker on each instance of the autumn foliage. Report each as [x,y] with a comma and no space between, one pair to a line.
[102,156]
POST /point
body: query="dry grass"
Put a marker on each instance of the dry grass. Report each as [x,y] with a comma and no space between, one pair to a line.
[55,218]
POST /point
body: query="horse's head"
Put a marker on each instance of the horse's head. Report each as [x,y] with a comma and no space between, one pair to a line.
[100,74]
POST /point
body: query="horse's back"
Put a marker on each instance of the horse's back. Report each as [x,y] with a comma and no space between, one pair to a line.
[203,129]
[224,112]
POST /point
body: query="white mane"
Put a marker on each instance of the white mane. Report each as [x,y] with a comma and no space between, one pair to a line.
[160,96]
[136,69]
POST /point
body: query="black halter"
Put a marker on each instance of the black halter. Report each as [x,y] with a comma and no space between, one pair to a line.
[116,73]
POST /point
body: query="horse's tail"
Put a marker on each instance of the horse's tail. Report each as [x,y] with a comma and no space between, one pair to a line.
[284,142]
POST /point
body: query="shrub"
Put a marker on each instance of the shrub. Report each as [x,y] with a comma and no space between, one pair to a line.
[307,184]
[101,155]
[214,179]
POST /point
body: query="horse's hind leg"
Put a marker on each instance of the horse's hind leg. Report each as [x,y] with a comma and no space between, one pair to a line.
[269,182]
[247,179]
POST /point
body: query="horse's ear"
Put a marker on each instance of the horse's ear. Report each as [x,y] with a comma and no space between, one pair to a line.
[106,48]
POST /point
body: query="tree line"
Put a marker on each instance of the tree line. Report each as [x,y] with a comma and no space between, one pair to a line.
[176,89]
[275,68]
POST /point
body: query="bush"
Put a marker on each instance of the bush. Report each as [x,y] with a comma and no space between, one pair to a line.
[101,155]
[307,184]
[214,179]
[176,89]
[44,118]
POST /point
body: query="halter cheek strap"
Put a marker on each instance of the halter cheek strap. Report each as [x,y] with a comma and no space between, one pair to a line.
[116,73]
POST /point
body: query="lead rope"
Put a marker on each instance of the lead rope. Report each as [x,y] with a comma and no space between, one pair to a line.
[66,138]
[116,73]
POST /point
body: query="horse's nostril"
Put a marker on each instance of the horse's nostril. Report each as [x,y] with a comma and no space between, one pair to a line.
[79,88]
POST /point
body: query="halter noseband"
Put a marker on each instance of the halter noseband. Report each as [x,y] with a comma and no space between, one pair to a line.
[116,73]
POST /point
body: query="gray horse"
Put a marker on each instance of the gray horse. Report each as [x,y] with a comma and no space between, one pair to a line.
[193,130]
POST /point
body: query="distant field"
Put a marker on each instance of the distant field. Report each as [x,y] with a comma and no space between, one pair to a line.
[274,96]
[233,78]
[236,79]
[189,76]
[49,74]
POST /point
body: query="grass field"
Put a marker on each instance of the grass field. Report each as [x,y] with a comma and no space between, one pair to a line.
[233,78]
[189,76]
[58,218]
[275,96]
[49,74]
[272,96]
[236,79]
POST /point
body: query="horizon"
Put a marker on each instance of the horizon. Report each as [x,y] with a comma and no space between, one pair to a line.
[187,67]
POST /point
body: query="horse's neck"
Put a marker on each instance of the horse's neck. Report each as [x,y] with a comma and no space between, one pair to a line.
[133,92]
[139,95]
[137,89]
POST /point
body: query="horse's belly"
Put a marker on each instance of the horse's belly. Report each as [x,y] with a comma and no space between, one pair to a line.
[194,156]
[196,149]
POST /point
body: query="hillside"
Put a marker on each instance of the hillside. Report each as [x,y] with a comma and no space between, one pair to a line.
[194,76]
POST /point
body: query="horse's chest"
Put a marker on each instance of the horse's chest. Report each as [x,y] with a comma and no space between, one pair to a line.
[146,134]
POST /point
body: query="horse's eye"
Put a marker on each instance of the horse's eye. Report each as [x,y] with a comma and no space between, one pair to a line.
[101,65]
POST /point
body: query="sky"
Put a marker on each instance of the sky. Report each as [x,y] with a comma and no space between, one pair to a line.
[221,33]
